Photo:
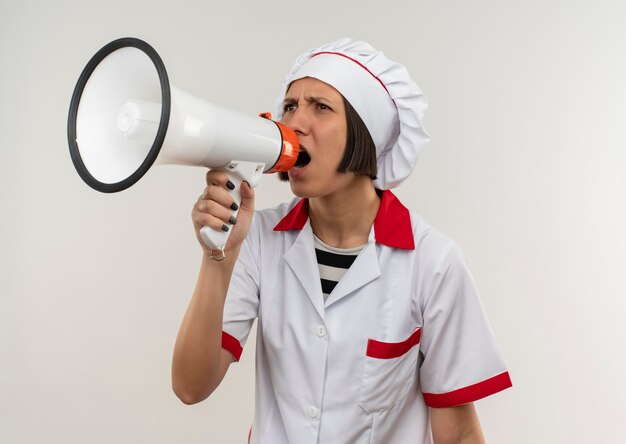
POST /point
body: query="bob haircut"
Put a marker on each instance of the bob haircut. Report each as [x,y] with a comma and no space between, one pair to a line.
[360,155]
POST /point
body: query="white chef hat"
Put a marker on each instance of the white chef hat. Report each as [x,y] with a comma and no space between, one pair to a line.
[383,94]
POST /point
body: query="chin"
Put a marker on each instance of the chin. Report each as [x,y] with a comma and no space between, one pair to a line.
[304,189]
[299,190]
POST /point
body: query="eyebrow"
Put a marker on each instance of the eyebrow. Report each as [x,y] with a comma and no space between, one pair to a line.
[317,99]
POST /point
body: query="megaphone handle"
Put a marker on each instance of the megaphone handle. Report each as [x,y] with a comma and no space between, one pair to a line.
[216,239]
[237,173]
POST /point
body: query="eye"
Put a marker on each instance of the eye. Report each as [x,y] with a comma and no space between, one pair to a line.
[323,107]
[289,107]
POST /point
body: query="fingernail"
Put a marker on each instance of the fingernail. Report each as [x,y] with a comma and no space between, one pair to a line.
[230,185]
[234,207]
[232,220]
[225,227]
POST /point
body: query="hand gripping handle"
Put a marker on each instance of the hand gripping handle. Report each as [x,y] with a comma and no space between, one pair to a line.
[237,173]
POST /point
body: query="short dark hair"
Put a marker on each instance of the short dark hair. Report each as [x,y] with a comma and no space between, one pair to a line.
[360,155]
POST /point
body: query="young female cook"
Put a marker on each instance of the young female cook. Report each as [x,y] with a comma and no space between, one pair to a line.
[370,329]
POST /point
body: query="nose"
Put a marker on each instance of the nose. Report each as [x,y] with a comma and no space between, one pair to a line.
[296,120]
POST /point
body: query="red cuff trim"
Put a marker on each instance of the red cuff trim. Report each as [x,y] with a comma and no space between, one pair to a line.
[390,350]
[470,393]
[232,345]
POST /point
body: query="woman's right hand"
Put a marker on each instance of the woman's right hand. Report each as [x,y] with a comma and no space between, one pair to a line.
[200,363]
[215,208]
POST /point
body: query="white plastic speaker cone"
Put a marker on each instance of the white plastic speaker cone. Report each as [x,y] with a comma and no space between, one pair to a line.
[125,116]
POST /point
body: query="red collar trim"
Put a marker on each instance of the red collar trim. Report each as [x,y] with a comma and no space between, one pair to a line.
[296,218]
[392,225]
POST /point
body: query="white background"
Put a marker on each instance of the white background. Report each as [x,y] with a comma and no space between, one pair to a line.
[526,170]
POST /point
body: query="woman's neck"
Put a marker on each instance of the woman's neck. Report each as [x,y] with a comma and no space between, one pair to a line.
[344,219]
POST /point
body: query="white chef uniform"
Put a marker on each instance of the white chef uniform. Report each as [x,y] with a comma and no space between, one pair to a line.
[403,330]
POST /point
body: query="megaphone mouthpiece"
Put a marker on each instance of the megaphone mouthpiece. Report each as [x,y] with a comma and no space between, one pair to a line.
[139,120]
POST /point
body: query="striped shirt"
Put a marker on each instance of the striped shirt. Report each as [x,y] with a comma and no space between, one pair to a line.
[333,263]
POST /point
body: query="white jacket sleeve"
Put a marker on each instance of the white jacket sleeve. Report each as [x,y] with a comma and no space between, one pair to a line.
[242,301]
[461,359]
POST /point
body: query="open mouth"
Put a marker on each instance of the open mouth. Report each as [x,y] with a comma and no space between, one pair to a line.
[303,159]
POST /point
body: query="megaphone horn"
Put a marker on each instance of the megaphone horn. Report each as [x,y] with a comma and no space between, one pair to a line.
[125,116]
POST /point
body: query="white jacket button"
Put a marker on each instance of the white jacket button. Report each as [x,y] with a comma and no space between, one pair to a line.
[312,412]
[320,331]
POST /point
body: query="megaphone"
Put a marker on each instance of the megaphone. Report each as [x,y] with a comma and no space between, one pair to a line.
[125,116]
